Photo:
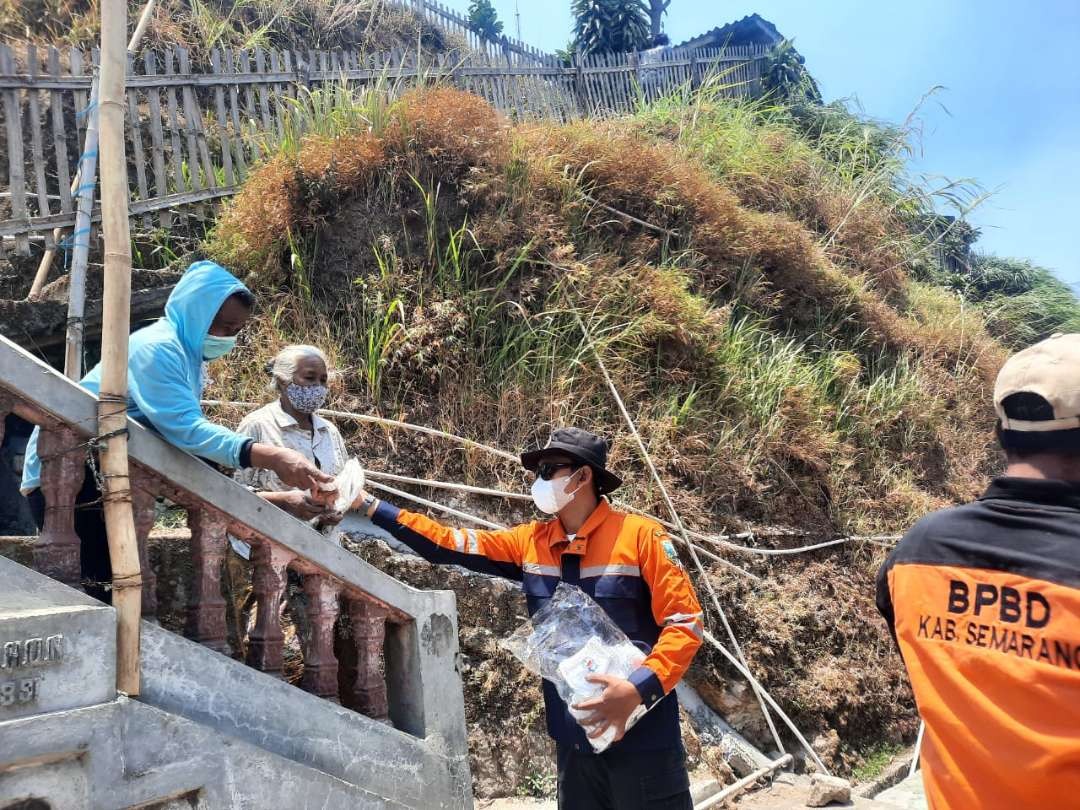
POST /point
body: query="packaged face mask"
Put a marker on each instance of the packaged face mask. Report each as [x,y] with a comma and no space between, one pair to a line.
[570,639]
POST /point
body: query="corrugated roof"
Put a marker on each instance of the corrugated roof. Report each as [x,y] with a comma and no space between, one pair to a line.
[751,30]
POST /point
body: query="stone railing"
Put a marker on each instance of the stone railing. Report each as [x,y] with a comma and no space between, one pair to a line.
[401,668]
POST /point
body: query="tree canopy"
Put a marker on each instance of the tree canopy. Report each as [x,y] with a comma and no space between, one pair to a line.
[610,26]
[484,20]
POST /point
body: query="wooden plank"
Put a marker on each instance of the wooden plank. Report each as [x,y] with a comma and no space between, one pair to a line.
[16,167]
[516,90]
[179,184]
[37,148]
[277,96]
[264,102]
[224,138]
[290,67]
[595,91]
[234,116]
[135,134]
[157,139]
[75,61]
[244,67]
[196,133]
[603,104]
[13,227]
[56,109]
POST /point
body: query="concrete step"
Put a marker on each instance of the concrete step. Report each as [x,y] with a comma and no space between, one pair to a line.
[207,732]
[57,646]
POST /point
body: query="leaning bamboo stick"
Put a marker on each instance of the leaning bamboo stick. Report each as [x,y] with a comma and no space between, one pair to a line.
[731,791]
[83,190]
[116,319]
[89,146]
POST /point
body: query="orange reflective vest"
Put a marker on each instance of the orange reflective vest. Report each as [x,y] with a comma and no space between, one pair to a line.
[984,602]
[627,563]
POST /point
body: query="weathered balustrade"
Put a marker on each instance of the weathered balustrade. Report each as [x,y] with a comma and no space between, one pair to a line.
[395,656]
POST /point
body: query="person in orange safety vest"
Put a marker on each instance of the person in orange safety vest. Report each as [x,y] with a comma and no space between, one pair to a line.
[629,565]
[984,602]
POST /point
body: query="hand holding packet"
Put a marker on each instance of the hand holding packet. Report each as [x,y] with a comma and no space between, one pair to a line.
[570,639]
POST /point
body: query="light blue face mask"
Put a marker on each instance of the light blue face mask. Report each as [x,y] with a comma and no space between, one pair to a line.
[214,347]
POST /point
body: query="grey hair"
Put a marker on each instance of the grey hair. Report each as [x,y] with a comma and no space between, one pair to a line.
[283,366]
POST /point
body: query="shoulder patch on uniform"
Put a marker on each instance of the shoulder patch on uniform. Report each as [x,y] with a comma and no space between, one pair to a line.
[669,550]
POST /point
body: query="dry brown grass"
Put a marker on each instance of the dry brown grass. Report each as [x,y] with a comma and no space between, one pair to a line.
[200,25]
[779,377]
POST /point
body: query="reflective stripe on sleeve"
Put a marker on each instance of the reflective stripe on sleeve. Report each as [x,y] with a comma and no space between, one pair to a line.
[691,621]
[610,571]
[541,570]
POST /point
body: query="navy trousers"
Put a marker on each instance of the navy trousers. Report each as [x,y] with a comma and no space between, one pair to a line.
[618,780]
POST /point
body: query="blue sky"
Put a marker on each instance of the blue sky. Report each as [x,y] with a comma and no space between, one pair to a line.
[1008,116]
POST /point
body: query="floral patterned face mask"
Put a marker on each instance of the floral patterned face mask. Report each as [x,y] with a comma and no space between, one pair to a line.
[306,398]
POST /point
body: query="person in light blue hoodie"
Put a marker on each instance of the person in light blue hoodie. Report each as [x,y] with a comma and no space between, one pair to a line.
[204,314]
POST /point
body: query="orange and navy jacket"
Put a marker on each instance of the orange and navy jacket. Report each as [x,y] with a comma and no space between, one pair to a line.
[625,562]
[984,603]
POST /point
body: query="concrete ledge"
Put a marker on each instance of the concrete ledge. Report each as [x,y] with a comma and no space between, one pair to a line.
[124,754]
[185,678]
[57,645]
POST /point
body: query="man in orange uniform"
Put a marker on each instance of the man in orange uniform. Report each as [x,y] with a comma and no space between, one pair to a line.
[629,566]
[984,602]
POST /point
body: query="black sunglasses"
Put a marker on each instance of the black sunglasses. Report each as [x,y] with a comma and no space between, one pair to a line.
[547,470]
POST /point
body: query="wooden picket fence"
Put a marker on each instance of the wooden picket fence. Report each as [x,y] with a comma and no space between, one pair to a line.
[194,132]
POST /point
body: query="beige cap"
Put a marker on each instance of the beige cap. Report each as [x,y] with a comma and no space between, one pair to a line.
[1051,369]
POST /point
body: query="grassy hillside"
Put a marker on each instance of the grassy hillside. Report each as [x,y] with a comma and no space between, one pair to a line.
[201,25]
[759,285]
[750,294]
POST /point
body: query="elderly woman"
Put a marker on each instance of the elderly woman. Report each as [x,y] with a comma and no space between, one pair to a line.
[298,376]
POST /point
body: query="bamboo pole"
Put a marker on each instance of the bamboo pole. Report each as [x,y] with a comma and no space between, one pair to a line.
[116,321]
[80,238]
[731,791]
[84,195]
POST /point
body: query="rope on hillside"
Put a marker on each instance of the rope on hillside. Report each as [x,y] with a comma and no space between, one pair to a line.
[758,691]
[447,485]
[745,672]
[427,482]
[724,540]
[379,420]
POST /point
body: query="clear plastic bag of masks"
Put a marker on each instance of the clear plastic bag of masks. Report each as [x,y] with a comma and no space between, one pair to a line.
[569,639]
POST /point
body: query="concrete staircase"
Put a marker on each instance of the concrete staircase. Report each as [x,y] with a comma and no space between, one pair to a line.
[209,731]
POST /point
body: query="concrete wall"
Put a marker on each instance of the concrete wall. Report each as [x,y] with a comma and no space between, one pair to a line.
[125,754]
[185,678]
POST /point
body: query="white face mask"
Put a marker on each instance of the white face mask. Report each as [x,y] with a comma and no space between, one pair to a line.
[551,496]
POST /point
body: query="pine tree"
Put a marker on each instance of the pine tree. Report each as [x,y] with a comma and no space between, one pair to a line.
[610,26]
[483,19]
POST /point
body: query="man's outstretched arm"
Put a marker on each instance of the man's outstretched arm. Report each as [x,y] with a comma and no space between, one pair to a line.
[500,553]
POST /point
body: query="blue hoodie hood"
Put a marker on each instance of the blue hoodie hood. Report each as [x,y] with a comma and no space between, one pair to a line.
[165,372]
[195,302]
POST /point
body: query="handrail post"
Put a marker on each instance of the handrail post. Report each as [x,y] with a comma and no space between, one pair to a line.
[57,552]
[320,664]
[269,577]
[143,505]
[206,609]
[364,687]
